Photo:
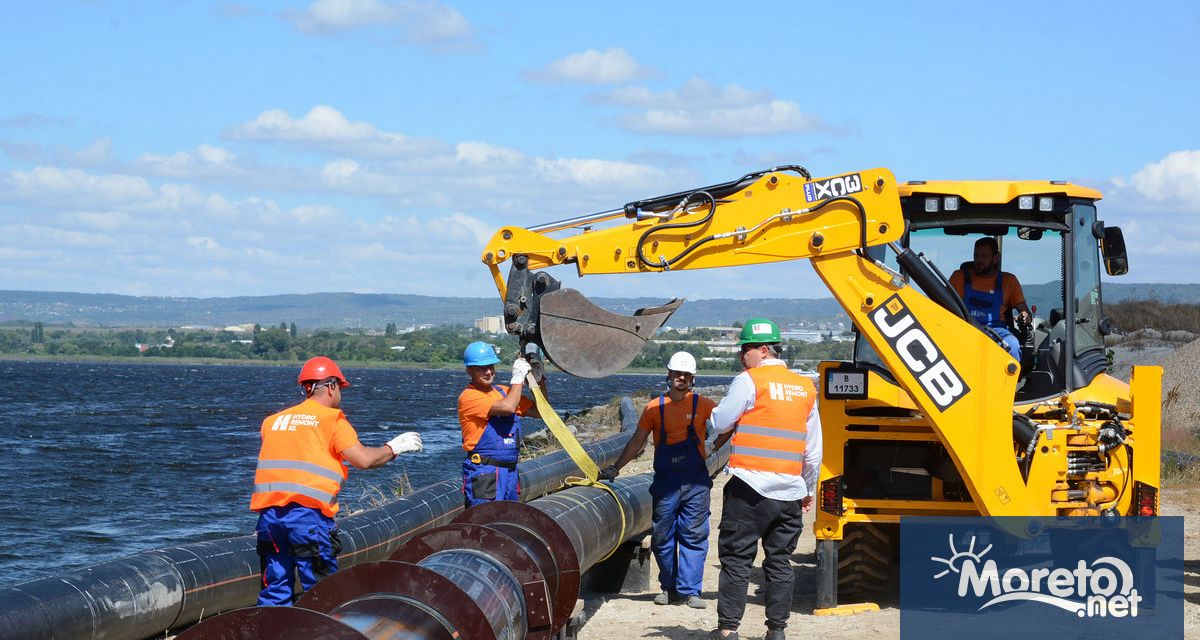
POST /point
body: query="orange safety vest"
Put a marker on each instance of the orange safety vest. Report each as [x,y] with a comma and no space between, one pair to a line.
[771,435]
[295,463]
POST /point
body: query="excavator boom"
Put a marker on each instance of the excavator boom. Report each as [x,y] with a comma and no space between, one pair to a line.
[762,217]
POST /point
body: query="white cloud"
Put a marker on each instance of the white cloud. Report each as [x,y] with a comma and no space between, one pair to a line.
[206,161]
[105,221]
[482,153]
[95,153]
[1173,182]
[177,239]
[206,222]
[310,214]
[594,173]
[425,23]
[207,245]
[702,109]
[51,186]
[611,66]
[324,128]
[34,120]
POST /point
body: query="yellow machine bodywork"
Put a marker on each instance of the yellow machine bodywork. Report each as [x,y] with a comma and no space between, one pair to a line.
[943,389]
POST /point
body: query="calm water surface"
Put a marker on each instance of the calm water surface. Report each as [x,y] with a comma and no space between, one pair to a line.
[106,460]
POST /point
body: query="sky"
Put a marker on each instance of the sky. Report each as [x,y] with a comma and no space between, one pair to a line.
[212,149]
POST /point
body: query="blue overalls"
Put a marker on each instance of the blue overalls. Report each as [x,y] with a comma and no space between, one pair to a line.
[490,471]
[681,508]
[292,539]
[987,308]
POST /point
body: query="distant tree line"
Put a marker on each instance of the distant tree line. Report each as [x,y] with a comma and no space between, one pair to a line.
[797,353]
[439,345]
[435,345]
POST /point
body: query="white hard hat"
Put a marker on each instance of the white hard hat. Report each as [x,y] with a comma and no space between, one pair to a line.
[682,361]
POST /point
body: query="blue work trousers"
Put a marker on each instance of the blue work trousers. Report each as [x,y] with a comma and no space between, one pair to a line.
[294,539]
[1012,344]
[486,483]
[680,538]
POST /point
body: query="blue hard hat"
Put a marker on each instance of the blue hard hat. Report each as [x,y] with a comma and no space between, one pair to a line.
[479,354]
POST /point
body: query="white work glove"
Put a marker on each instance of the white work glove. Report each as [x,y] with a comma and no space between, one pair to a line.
[406,443]
[520,369]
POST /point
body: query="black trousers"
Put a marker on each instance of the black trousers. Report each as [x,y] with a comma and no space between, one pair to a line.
[747,518]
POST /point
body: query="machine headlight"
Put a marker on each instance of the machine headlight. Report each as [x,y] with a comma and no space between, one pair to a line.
[950,203]
[931,205]
[1046,203]
[1025,203]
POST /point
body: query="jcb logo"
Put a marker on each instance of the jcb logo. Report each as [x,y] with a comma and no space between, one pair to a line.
[832,187]
[919,354]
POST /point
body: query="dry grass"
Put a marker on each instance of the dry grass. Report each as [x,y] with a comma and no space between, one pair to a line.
[1132,315]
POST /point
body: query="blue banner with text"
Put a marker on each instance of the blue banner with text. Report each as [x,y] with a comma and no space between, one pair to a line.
[1057,578]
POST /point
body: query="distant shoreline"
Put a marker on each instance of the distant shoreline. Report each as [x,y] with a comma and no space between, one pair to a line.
[218,362]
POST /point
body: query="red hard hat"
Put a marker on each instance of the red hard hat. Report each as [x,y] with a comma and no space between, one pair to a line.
[320,368]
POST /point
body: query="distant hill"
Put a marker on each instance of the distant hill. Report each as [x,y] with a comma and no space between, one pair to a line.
[356,310]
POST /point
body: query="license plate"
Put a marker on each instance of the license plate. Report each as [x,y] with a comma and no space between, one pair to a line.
[841,384]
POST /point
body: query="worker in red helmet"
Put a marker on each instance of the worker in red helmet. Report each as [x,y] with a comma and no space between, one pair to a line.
[301,467]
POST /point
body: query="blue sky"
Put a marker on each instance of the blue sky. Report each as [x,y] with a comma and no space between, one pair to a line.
[219,148]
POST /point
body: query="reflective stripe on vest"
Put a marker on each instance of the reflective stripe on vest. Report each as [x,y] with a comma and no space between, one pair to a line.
[295,464]
[771,436]
[298,489]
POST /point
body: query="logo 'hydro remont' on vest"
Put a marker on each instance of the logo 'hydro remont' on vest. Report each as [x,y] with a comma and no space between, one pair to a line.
[785,391]
[919,354]
[1104,587]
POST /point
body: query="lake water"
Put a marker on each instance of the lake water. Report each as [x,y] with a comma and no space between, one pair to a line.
[106,460]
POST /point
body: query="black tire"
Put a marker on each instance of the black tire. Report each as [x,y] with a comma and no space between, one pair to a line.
[867,559]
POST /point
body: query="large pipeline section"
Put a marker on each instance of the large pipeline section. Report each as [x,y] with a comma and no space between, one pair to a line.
[499,571]
[149,593]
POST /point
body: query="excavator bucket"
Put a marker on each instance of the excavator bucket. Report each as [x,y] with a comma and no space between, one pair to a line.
[590,342]
[579,337]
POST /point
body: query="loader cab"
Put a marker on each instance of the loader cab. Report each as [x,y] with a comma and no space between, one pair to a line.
[1051,240]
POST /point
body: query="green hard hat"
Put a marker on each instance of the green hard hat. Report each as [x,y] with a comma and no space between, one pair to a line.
[759,331]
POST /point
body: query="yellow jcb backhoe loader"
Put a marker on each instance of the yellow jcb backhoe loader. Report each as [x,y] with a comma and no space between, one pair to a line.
[932,416]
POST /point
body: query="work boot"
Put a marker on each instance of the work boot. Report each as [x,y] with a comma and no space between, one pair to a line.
[665,597]
[716,635]
[696,602]
[774,634]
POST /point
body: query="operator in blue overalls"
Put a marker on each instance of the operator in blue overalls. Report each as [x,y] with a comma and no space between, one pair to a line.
[991,294]
[681,483]
[489,415]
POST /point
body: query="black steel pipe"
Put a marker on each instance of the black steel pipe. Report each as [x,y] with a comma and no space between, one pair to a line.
[147,593]
[500,571]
